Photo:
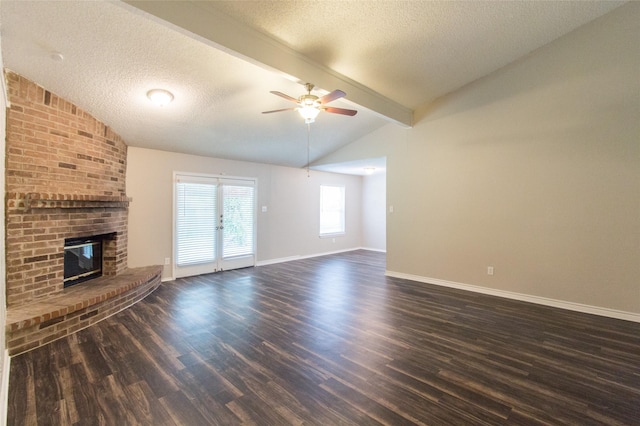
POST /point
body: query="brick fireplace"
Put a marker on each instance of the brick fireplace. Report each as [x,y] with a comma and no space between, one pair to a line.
[37,226]
[65,178]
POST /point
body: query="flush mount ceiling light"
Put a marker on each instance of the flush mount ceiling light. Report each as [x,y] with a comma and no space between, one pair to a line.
[369,170]
[160,97]
[57,56]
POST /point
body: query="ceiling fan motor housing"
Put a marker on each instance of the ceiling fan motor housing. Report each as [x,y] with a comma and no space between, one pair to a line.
[309,101]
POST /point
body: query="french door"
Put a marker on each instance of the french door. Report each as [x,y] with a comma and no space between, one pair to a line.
[215,224]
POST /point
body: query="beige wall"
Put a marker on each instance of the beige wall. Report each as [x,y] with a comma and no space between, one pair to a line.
[374,218]
[289,228]
[534,170]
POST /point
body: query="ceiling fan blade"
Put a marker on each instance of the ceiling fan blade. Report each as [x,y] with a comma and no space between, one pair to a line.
[343,111]
[282,95]
[279,110]
[332,96]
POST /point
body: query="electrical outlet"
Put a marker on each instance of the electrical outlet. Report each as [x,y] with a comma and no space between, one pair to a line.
[489,270]
[167,261]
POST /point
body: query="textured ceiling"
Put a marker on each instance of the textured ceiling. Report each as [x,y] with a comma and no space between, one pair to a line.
[409,52]
[414,51]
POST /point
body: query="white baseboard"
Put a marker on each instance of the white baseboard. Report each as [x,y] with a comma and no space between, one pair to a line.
[299,257]
[373,249]
[4,388]
[278,260]
[571,306]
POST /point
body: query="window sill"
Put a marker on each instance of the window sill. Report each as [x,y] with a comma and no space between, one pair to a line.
[337,234]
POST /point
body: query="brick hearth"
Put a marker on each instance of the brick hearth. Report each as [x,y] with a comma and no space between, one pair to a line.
[38,323]
[65,178]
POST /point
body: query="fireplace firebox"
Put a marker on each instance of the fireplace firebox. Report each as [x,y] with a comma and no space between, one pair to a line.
[83,258]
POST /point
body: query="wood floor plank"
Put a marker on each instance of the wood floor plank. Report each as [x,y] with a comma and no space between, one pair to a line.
[21,398]
[182,410]
[331,341]
[360,401]
[143,405]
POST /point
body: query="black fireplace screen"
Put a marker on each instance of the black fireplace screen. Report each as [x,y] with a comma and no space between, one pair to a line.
[82,260]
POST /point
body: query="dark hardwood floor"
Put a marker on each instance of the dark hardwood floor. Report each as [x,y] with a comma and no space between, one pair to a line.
[331,341]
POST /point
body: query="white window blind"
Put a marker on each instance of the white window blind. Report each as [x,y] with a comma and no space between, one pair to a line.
[195,223]
[238,232]
[332,211]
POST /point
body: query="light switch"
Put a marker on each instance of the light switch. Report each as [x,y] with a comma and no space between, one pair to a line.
[264,209]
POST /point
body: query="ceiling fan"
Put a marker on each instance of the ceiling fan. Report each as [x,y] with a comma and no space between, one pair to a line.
[309,106]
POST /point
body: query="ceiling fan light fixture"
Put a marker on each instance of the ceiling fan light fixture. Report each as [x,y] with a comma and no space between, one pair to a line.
[309,113]
[160,97]
[309,106]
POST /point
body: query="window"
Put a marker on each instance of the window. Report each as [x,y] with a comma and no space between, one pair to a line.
[239,218]
[331,210]
[195,222]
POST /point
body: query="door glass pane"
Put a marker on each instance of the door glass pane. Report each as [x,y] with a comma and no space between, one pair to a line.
[195,223]
[238,206]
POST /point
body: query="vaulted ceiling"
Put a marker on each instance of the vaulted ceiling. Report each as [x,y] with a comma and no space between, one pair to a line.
[221,59]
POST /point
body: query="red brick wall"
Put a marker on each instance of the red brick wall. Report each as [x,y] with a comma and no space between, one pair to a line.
[65,178]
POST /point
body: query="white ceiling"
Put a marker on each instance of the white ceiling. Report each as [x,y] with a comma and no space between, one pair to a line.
[221,59]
